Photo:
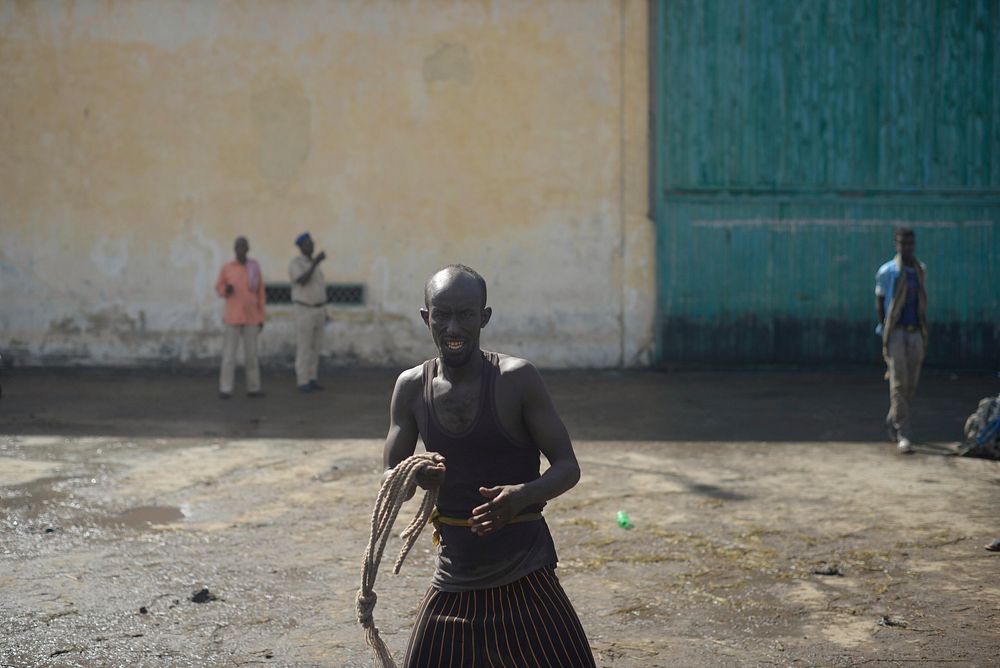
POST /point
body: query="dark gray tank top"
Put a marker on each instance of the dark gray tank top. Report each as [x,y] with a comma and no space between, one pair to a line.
[485,455]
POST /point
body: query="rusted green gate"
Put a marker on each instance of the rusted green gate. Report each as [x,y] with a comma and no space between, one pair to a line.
[790,138]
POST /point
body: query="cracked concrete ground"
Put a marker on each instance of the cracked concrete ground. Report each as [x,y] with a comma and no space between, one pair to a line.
[125,493]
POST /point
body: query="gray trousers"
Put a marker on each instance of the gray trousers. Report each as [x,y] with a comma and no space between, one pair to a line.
[906,354]
[230,342]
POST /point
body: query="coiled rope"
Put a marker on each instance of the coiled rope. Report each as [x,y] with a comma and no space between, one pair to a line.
[396,489]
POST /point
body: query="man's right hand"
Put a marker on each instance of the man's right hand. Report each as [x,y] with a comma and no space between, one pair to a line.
[229,289]
[321,256]
[431,477]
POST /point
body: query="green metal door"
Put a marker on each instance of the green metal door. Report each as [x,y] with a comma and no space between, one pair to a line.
[790,138]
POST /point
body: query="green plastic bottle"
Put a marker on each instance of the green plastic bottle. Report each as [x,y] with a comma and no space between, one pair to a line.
[623,520]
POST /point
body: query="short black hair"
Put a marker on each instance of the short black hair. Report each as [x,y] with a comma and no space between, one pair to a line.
[457,269]
[904,232]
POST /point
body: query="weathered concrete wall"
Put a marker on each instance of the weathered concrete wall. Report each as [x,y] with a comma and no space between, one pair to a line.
[137,139]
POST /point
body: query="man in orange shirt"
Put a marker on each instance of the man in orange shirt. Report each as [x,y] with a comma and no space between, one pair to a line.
[242,286]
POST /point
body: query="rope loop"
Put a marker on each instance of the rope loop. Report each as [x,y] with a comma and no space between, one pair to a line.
[399,485]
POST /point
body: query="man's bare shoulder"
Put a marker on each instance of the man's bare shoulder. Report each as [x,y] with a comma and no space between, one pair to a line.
[410,382]
[518,370]
[510,363]
[407,394]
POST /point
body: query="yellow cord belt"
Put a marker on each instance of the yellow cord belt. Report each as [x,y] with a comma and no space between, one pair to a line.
[437,519]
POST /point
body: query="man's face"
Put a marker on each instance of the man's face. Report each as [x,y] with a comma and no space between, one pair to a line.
[242,247]
[455,316]
[905,246]
[307,247]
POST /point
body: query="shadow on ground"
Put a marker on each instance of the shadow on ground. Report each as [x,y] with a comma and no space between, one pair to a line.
[596,405]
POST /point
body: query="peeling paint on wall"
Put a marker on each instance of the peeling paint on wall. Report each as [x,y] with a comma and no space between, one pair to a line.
[847,225]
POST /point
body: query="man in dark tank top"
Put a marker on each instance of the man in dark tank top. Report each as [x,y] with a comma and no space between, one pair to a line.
[494,598]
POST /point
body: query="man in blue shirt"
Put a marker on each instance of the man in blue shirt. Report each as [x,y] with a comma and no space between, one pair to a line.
[901,301]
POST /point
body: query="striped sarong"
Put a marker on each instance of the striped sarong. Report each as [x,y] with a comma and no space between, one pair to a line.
[529,622]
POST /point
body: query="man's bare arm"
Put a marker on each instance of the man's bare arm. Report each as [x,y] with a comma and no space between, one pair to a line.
[307,274]
[549,433]
[222,288]
[401,441]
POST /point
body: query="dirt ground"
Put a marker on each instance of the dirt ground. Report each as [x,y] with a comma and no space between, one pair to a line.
[124,493]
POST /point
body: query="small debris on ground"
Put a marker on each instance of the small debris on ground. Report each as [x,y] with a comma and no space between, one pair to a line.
[331,474]
[143,610]
[828,569]
[885,620]
[203,596]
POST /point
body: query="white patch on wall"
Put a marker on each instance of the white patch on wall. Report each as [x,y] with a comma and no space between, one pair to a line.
[110,256]
[378,285]
[796,223]
[198,258]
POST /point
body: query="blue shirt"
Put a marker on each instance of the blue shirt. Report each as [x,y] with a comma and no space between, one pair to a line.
[885,286]
[909,315]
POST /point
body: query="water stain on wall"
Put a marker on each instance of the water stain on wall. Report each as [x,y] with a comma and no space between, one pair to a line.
[66,326]
[116,322]
[448,63]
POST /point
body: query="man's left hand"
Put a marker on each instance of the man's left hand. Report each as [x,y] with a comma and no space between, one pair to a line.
[504,505]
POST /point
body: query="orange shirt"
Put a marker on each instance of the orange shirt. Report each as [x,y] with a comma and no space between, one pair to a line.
[243,307]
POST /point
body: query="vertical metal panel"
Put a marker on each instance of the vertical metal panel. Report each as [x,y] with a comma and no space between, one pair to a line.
[791,137]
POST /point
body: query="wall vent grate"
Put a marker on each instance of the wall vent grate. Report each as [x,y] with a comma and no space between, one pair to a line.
[336,293]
